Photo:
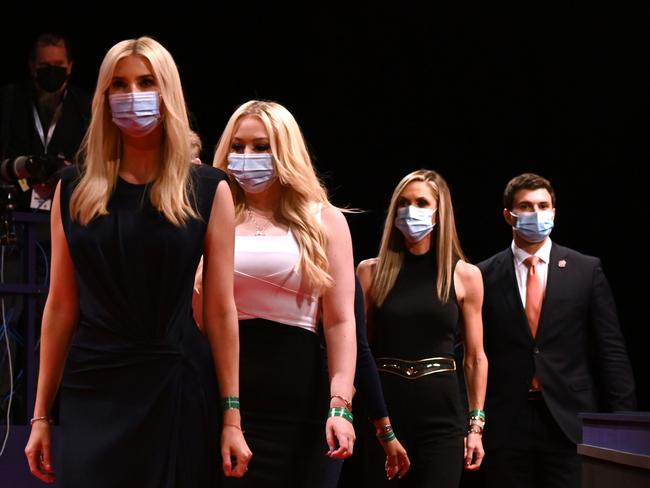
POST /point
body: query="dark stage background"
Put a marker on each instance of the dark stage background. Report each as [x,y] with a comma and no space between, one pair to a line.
[479,95]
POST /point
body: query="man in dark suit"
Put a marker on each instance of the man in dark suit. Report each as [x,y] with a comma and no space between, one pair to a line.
[42,123]
[44,118]
[554,346]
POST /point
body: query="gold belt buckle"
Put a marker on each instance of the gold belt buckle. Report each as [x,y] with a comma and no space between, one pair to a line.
[415,369]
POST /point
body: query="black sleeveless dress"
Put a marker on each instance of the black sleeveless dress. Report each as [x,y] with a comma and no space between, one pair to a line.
[413,324]
[139,397]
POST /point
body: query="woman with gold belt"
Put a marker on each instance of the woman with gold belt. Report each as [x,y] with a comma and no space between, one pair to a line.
[418,291]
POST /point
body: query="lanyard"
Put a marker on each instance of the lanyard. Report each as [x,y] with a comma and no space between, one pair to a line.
[50,131]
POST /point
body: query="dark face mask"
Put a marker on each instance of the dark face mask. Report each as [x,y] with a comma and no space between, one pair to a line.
[51,78]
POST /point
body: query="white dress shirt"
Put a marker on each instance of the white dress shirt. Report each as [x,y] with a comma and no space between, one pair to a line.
[521,270]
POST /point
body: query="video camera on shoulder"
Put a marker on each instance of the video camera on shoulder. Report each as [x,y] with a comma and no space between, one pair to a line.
[38,173]
[26,171]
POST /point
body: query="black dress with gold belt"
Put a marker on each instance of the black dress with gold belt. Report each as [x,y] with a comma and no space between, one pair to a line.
[414,335]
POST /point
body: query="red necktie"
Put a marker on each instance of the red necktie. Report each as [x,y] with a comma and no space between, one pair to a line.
[534,299]
[534,293]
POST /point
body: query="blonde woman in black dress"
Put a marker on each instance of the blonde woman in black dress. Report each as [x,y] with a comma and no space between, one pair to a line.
[418,290]
[139,394]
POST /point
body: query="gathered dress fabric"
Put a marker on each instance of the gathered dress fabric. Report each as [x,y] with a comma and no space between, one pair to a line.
[139,396]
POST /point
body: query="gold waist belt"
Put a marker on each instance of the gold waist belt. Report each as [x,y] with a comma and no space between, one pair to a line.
[415,369]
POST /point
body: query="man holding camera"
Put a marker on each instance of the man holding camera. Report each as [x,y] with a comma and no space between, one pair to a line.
[42,124]
[44,119]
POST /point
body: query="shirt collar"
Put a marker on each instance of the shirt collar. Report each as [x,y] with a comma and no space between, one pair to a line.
[544,252]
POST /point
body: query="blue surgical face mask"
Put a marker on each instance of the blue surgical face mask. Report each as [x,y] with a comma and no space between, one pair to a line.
[415,222]
[534,226]
[136,113]
[254,172]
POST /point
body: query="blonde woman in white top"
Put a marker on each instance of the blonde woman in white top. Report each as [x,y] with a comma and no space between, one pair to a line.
[293,270]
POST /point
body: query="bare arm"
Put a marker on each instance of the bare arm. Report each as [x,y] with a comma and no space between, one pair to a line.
[365,273]
[59,321]
[339,326]
[197,296]
[220,322]
[469,291]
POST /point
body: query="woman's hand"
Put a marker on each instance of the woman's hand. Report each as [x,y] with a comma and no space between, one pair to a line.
[234,451]
[474,452]
[339,432]
[39,452]
[397,461]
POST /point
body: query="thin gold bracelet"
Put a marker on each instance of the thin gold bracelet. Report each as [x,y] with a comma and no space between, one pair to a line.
[348,403]
[235,426]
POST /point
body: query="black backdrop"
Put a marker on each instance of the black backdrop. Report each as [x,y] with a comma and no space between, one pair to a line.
[478,94]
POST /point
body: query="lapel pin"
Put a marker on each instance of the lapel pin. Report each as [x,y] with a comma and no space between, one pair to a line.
[561,263]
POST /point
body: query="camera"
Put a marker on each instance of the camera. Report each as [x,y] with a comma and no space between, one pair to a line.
[17,176]
[28,170]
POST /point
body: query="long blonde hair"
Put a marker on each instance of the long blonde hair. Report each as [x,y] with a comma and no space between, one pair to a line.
[444,237]
[171,192]
[300,190]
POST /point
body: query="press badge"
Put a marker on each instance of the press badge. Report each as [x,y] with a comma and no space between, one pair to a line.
[40,203]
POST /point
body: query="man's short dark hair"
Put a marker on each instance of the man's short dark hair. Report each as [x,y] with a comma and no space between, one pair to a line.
[526,181]
[49,39]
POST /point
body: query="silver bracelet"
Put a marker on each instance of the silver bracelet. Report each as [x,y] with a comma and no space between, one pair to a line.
[37,419]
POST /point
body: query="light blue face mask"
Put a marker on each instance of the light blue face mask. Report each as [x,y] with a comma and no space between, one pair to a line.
[414,222]
[136,113]
[534,226]
[254,172]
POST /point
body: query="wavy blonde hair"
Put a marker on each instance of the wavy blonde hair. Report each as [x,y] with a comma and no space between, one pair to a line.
[444,236]
[300,186]
[171,192]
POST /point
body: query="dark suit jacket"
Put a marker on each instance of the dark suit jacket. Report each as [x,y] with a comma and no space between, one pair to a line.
[18,134]
[579,352]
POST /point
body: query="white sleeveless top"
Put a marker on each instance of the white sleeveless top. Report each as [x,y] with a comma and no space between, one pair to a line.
[267,285]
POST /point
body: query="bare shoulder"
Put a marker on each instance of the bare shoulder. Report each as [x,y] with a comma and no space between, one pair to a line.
[366,266]
[366,275]
[366,271]
[333,218]
[336,230]
[468,280]
[467,272]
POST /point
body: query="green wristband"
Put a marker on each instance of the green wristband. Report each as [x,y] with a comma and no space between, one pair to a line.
[477,413]
[387,436]
[230,402]
[341,412]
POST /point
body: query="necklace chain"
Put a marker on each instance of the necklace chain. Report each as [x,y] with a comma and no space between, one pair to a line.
[259,229]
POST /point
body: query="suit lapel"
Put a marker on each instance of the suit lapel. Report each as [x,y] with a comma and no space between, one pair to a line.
[556,264]
[510,292]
